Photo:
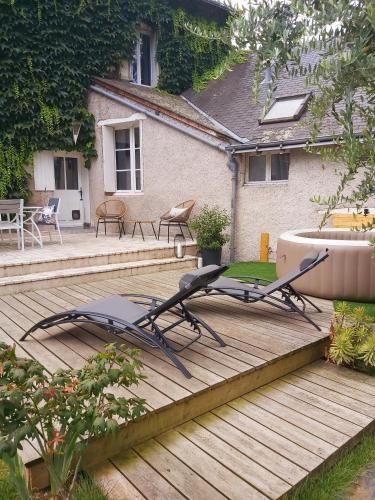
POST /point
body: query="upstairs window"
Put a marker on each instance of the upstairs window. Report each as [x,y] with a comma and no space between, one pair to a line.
[128,160]
[267,168]
[286,109]
[143,66]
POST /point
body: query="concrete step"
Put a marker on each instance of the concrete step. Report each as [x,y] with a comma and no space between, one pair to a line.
[59,259]
[68,276]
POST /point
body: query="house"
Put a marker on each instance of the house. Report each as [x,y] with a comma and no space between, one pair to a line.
[156,150]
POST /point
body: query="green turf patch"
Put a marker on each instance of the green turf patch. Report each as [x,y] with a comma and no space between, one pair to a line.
[332,482]
[265,270]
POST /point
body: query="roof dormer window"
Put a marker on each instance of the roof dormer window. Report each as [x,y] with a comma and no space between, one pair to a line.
[143,69]
[286,109]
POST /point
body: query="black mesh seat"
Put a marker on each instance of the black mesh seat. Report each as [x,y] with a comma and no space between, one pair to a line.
[279,293]
[137,315]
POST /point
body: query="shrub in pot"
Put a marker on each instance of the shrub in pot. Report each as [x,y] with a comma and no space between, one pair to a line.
[209,226]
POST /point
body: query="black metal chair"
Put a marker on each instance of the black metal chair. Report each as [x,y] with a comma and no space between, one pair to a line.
[139,317]
[279,293]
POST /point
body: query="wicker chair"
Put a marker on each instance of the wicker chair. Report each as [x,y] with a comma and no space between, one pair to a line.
[111,212]
[181,220]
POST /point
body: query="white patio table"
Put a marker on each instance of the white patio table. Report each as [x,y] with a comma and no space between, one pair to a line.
[29,218]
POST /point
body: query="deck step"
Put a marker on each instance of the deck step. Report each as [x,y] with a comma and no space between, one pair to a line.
[259,446]
[68,276]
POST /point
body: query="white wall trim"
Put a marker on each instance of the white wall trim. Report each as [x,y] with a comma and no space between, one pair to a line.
[118,122]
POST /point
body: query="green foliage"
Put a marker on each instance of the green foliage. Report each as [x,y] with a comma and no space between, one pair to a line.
[50,50]
[353,338]
[219,71]
[334,479]
[63,411]
[209,225]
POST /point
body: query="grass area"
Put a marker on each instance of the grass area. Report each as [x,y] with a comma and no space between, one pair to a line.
[333,482]
[267,270]
[7,489]
[85,489]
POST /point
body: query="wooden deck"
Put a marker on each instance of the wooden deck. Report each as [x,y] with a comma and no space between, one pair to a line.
[258,447]
[262,345]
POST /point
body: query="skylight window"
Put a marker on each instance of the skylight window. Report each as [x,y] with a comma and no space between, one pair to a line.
[286,108]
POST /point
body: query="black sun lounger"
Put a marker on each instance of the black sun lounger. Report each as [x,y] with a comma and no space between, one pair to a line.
[137,315]
[279,293]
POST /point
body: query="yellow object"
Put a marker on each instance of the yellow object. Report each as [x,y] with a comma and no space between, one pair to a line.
[350,220]
[264,246]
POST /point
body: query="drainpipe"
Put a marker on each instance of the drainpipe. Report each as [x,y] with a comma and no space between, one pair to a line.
[232,164]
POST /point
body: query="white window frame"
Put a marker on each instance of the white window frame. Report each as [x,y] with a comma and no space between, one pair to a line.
[153,63]
[268,179]
[133,190]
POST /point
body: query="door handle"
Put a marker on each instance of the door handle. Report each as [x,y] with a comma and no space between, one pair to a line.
[81,193]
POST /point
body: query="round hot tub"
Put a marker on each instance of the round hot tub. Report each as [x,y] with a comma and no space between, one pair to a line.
[349,271]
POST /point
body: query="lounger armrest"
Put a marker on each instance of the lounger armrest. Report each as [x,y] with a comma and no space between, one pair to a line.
[251,279]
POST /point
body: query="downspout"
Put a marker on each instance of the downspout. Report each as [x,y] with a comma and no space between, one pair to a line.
[232,164]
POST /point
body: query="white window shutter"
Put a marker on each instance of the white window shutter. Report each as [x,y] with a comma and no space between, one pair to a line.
[44,175]
[109,164]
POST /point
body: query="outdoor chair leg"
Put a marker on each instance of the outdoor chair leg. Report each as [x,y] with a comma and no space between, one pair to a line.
[159,231]
[135,224]
[119,229]
[123,227]
[168,233]
[105,227]
[188,228]
[140,227]
[152,224]
[97,228]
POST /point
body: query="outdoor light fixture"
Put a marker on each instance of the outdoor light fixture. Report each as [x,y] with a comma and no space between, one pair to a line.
[179,246]
[76,127]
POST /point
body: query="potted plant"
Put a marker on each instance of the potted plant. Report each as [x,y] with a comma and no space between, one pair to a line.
[209,226]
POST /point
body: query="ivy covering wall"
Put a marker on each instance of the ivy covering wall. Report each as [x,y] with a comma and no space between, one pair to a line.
[50,50]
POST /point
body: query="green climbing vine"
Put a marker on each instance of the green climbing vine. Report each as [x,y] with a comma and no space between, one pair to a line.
[51,49]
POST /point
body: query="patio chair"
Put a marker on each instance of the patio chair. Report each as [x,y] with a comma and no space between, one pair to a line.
[111,212]
[279,293]
[177,216]
[138,315]
[13,210]
[49,216]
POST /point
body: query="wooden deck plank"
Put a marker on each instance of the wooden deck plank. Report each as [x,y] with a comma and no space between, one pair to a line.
[249,470]
[345,376]
[185,480]
[228,483]
[291,386]
[308,424]
[280,426]
[113,483]
[336,397]
[257,451]
[306,409]
[144,478]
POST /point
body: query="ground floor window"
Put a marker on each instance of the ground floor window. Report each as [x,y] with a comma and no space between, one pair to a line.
[66,172]
[128,160]
[267,168]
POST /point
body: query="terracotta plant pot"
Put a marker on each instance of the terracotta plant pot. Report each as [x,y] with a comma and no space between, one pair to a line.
[211,256]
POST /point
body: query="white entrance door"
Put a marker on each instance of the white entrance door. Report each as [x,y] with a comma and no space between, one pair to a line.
[68,187]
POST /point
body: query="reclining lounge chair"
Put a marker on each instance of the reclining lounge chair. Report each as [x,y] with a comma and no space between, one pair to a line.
[137,315]
[279,293]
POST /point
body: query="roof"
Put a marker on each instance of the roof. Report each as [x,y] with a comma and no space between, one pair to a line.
[229,101]
[175,107]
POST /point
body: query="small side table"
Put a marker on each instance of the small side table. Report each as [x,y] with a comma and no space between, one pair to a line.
[140,222]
